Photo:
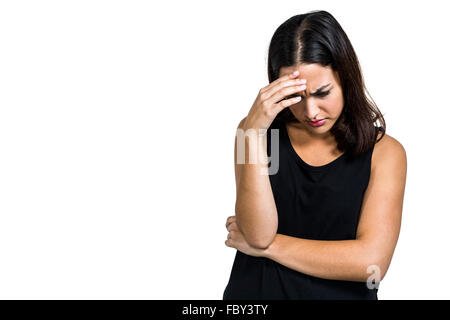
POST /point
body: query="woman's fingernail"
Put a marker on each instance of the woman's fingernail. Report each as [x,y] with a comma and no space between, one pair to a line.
[295,73]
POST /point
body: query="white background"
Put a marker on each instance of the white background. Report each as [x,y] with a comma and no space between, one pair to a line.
[117,127]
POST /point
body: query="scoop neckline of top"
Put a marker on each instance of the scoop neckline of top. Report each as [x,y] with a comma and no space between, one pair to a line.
[301,161]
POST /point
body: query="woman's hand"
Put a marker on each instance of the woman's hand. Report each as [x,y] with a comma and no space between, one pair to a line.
[271,100]
[236,239]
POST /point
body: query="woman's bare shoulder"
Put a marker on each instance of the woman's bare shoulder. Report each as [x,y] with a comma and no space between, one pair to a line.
[388,151]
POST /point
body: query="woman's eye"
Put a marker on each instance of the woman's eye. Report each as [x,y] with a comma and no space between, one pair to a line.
[323,94]
[320,94]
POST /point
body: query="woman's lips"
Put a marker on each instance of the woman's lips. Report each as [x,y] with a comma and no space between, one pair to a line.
[317,123]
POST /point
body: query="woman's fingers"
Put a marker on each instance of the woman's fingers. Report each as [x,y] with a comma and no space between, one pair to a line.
[265,108]
[284,88]
[229,240]
[289,76]
[285,93]
[278,107]
[280,101]
[232,226]
[229,220]
[279,98]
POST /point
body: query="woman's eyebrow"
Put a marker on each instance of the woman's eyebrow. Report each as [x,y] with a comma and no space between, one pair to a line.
[317,92]
[321,88]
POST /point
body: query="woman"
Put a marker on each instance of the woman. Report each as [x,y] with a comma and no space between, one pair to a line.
[318,215]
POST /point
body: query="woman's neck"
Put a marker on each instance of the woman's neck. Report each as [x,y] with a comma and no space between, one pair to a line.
[301,136]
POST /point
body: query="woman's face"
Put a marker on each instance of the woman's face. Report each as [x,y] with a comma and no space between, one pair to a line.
[316,104]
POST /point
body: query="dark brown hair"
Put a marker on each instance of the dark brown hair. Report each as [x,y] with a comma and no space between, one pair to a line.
[316,37]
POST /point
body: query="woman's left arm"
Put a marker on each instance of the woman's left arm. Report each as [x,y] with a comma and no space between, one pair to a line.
[377,233]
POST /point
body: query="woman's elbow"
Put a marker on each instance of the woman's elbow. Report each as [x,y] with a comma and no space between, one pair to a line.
[260,242]
[375,267]
[257,234]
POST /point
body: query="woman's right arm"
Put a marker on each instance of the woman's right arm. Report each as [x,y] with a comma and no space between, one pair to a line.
[256,213]
[255,209]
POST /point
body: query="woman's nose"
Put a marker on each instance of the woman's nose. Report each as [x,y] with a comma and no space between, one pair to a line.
[311,109]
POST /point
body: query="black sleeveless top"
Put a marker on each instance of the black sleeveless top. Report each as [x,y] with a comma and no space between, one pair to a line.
[313,202]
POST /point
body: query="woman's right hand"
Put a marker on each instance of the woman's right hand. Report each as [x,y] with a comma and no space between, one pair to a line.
[271,101]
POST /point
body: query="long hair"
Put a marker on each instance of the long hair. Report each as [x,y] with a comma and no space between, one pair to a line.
[316,37]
